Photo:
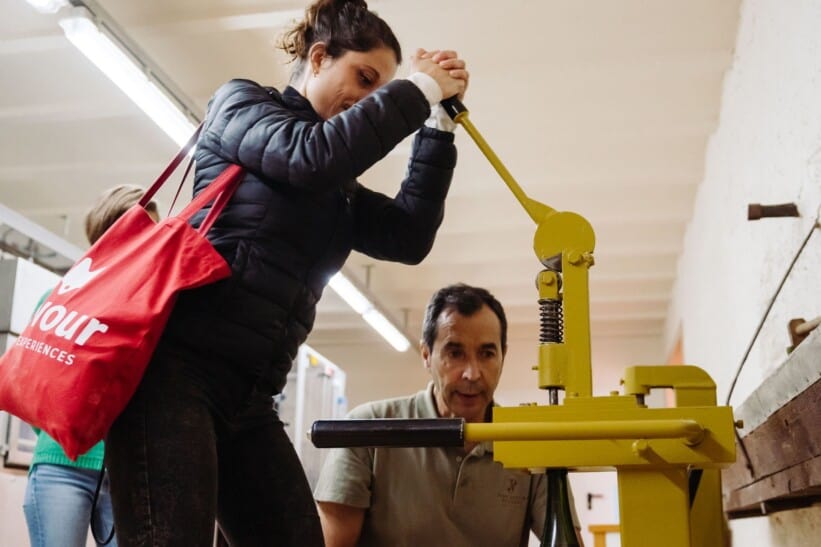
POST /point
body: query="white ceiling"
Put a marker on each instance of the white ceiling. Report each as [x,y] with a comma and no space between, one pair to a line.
[599,107]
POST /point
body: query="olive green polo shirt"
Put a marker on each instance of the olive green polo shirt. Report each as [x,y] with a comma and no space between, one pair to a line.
[432,496]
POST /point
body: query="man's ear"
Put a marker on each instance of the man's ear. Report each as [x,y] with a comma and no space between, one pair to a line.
[316,55]
[424,350]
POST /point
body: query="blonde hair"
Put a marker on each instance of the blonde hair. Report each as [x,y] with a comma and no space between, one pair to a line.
[110,206]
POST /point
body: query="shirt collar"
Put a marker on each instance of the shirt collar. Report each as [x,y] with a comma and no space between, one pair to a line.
[427,409]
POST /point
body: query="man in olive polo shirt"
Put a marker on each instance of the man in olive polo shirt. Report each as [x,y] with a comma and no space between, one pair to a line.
[436,496]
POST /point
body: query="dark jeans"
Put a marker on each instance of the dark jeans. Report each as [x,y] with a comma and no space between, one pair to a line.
[200,441]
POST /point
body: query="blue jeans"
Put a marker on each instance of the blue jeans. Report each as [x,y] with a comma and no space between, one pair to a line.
[58,505]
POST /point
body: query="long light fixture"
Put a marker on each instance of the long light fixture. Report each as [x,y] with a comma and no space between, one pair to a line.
[131,77]
[48,6]
[364,307]
[85,35]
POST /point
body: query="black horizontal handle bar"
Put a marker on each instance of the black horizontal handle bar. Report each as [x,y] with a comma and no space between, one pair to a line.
[388,432]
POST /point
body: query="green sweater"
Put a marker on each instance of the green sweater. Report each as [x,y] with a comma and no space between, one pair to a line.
[48,451]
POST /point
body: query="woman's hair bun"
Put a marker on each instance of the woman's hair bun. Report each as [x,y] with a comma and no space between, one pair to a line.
[342,25]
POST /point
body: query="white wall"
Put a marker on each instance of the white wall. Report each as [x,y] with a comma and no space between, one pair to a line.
[767,149]
[13,531]
[610,356]
[799,528]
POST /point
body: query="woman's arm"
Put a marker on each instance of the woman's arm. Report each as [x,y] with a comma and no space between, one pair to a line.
[403,229]
[248,126]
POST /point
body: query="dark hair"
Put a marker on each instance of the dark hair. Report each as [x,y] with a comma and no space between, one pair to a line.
[466,300]
[342,25]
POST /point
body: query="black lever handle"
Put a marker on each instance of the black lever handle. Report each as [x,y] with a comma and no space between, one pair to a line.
[388,432]
[453,107]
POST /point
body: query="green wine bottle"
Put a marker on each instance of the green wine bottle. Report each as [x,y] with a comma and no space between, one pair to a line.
[559,530]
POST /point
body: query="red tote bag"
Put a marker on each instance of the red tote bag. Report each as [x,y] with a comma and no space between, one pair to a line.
[81,357]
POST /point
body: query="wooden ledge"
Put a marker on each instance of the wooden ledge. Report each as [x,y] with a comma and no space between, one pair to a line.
[779,458]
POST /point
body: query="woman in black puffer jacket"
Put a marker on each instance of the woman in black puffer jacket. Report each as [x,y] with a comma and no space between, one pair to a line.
[199,439]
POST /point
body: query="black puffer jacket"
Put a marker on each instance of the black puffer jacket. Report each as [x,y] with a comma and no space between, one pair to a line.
[299,211]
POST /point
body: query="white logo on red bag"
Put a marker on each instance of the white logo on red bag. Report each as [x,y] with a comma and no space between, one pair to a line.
[78,276]
[66,323]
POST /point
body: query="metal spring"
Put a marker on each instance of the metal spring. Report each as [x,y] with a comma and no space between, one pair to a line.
[551,316]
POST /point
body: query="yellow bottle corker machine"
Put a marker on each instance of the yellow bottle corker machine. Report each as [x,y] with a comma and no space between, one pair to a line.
[668,460]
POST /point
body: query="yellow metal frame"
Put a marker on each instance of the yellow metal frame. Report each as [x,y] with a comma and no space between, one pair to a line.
[600,532]
[652,449]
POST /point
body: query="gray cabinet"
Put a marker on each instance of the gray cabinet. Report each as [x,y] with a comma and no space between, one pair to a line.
[22,284]
[315,391]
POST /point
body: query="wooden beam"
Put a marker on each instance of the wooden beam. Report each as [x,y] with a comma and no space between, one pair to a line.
[792,488]
[779,462]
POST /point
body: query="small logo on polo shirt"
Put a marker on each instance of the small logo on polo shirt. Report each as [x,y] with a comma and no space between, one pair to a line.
[513,491]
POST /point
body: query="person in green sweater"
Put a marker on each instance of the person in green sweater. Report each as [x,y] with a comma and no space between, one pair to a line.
[60,495]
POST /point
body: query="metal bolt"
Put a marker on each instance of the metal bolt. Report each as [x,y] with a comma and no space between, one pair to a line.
[641,447]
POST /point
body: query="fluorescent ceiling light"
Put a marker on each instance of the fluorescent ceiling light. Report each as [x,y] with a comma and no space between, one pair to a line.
[48,6]
[361,305]
[388,331]
[127,75]
[350,294]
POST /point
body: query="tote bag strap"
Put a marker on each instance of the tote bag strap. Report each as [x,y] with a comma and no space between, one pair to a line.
[184,151]
[220,191]
[179,186]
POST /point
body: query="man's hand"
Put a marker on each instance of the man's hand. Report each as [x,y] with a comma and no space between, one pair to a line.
[341,524]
